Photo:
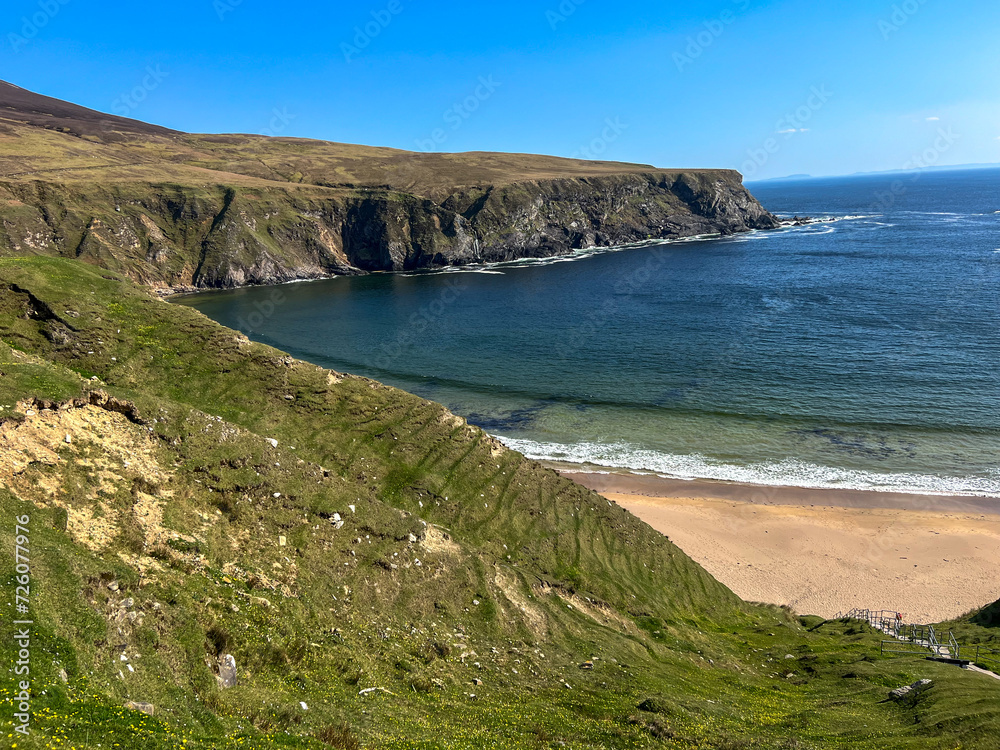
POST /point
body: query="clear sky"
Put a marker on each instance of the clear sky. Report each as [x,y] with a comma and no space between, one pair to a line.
[770,88]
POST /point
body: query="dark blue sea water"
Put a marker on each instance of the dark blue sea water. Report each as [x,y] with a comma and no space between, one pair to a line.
[861,352]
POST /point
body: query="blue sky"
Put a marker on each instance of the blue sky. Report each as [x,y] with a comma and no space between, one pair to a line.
[770,88]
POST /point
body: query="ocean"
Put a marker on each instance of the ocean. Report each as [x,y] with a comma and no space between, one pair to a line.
[860,351]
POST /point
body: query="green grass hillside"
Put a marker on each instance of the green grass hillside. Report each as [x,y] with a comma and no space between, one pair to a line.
[383,574]
[42,138]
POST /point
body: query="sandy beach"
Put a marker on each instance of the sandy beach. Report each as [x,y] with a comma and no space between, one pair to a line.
[825,551]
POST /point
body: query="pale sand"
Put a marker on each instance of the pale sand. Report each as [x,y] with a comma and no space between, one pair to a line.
[929,563]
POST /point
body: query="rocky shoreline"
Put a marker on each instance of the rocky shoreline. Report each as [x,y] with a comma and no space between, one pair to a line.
[179,239]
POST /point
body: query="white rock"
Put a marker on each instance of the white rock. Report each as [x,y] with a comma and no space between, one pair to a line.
[304,706]
[69,439]
[227,672]
[273,442]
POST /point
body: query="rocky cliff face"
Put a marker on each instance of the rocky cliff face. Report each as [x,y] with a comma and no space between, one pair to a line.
[168,235]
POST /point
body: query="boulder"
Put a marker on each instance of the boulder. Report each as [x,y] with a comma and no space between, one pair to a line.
[910,691]
[227,672]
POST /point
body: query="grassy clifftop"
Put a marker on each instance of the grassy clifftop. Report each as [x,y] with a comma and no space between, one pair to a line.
[194,495]
[42,138]
[175,209]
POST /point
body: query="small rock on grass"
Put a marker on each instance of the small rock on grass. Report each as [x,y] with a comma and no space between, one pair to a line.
[910,691]
[227,672]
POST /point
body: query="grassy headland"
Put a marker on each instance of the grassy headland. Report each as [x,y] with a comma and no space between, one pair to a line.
[176,209]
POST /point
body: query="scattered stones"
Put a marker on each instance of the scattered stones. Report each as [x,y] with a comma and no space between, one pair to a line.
[477,682]
[128,603]
[587,665]
[227,672]
[146,708]
[282,541]
[273,442]
[113,586]
[910,691]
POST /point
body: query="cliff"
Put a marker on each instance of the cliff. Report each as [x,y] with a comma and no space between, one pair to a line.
[173,209]
[226,236]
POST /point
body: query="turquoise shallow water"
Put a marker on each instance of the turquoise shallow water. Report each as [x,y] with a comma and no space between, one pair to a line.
[861,352]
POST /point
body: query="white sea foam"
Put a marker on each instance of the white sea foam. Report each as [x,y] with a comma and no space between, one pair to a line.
[576,255]
[787,220]
[453,269]
[788,473]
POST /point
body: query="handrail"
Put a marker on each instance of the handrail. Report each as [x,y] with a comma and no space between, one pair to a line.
[921,636]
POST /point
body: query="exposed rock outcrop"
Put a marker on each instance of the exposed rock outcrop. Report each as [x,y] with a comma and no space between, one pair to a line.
[170,235]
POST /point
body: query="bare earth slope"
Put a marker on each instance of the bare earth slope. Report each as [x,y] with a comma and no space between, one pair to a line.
[173,209]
